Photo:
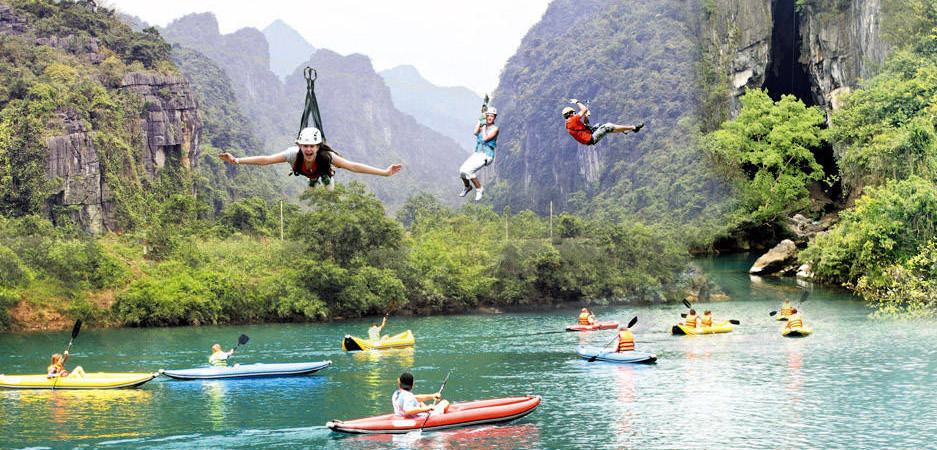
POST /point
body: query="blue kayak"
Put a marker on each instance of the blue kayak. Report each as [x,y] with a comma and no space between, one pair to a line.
[587,352]
[247,371]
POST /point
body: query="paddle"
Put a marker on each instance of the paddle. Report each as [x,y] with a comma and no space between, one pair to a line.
[686,303]
[630,324]
[75,330]
[242,339]
[418,433]
[803,298]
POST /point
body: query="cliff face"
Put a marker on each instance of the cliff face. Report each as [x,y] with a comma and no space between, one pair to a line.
[167,128]
[814,53]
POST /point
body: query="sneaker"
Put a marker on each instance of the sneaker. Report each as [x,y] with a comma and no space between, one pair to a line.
[639,127]
[465,191]
[478,194]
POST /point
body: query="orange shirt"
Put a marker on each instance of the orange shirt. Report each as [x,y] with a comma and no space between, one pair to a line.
[578,130]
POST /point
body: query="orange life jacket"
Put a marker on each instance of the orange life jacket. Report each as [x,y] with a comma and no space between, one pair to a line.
[578,130]
[584,318]
[691,320]
[706,320]
[786,310]
[795,321]
[625,340]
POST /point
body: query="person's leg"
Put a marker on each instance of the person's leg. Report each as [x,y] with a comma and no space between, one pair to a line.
[468,169]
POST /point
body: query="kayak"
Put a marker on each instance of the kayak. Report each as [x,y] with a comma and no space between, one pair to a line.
[458,415]
[399,340]
[96,380]
[247,371]
[587,352]
[594,326]
[796,332]
[681,329]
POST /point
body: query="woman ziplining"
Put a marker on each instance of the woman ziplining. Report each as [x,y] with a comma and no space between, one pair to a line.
[317,158]
[312,158]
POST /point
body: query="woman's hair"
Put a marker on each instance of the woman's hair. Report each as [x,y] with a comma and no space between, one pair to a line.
[216,347]
[707,312]
[692,311]
[324,160]
[56,357]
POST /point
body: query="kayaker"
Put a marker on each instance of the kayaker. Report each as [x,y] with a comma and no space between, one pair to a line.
[589,135]
[786,309]
[312,158]
[374,333]
[57,368]
[795,320]
[691,319]
[218,357]
[625,340]
[408,404]
[586,317]
[707,320]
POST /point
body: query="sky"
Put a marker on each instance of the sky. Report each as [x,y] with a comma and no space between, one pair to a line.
[450,42]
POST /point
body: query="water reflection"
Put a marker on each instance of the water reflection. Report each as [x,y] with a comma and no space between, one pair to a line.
[522,435]
[214,394]
[65,414]
[624,387]
[374,367]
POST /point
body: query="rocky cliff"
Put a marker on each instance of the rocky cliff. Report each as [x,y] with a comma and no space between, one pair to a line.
[814,52]
[82,143]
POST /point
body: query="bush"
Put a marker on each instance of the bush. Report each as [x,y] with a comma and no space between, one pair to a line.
[13,273]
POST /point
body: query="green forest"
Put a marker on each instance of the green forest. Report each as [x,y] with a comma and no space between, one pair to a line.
[219,245]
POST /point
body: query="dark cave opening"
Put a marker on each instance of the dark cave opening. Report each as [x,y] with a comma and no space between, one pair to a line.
[785,74]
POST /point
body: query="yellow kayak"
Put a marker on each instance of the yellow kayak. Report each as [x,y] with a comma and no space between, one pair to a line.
[681,329]
[796,332]
[399,340]
[97,380]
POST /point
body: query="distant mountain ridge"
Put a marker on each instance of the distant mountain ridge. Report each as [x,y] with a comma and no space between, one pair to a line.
[288,49]
[451,111]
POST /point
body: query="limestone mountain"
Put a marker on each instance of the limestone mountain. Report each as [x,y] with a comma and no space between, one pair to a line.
[288,49]
[451,111]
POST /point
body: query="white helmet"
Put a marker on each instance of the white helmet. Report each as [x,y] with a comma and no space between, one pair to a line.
[309,136]
[492,110]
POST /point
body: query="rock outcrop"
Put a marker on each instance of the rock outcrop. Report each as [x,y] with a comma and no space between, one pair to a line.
[835,48]
[171,126]
[780,259]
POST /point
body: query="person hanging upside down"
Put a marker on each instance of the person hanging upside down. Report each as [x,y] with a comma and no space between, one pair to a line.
[316,162]
[589,135]
[486,136]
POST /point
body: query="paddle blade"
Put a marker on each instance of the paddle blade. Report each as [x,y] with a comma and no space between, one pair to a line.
[633,321]
[686,303]
[772,313]
[734,322]
[76,328]
[683,315]
[242,339]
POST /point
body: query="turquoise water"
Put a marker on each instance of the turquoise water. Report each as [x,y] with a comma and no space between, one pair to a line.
[853,383]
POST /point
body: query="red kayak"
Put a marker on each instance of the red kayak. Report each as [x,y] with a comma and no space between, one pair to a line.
[595,326]
[458,415]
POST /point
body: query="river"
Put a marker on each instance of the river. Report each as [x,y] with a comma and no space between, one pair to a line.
[856,382]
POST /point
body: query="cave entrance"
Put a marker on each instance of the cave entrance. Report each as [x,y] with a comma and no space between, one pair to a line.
[785,74]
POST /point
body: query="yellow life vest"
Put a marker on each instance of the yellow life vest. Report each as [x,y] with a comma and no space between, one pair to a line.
[625,340]
[706,320]
[584,318]
[795,321]
[691,320]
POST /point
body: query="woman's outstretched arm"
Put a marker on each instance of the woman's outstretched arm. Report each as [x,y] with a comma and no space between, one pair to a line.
[352,166]
[261,160]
